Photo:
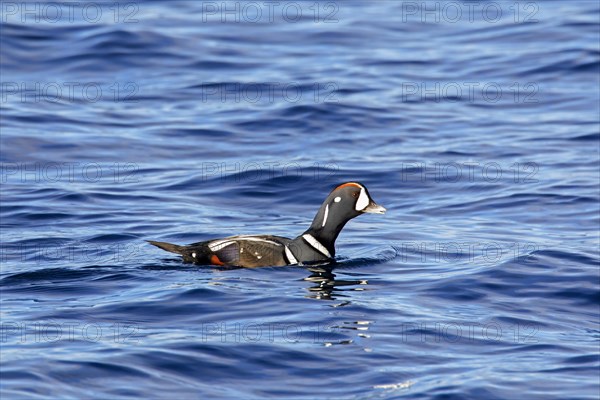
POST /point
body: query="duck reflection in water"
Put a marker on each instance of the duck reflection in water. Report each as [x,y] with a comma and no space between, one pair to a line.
[326,286]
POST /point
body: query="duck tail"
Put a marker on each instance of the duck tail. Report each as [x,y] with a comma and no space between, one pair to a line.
[173,248]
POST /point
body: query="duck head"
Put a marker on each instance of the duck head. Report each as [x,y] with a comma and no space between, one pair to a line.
[346,201]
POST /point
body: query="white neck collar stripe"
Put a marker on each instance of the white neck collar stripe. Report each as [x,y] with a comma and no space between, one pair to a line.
[316,244]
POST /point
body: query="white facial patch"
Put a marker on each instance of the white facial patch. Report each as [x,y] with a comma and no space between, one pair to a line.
[337,199]
[363,200]
[326,215]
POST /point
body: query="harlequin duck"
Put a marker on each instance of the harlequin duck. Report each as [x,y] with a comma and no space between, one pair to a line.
[345,202]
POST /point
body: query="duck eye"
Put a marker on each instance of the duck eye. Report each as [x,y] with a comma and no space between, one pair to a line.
[355,194]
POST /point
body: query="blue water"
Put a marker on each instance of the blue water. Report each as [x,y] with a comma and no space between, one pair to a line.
[477,130]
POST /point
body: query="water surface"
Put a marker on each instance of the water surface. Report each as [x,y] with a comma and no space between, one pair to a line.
[479,133]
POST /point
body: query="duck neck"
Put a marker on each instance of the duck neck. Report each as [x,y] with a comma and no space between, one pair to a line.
[325,229]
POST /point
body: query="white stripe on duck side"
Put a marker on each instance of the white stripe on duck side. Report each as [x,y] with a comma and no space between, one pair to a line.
[217,245]
[290,256]
[316,244]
